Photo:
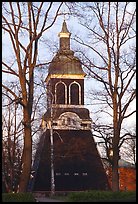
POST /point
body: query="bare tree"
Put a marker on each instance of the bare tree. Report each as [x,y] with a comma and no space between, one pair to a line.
[108,55]
[24,23]
[11,143]
[129,146]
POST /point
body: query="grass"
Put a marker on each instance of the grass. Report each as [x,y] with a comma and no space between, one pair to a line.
[86,196]
[99,196]
[18,197]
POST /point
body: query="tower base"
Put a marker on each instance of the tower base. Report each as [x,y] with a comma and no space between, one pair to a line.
[77,164]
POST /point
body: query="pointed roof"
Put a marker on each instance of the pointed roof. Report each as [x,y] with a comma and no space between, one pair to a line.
[64,32]
[64,28]
[64,61]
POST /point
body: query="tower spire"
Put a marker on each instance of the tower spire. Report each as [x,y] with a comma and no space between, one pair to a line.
[64,27]
[64,36]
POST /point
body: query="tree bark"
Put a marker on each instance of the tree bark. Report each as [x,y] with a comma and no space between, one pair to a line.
[115,173]
[27,153]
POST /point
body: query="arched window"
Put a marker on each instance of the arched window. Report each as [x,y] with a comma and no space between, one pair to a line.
[60,93]
[74,94]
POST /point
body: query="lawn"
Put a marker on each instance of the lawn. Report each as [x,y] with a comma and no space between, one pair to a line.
[99,196]
[86,196]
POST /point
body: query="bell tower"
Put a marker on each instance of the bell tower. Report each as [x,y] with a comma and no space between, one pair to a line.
[77,163]
[65,88]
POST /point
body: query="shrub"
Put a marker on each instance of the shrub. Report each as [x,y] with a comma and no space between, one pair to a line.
[18,197]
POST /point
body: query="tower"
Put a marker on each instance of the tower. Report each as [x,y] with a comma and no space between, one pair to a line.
[77,164]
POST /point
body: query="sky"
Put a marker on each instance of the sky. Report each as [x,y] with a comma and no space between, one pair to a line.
[50,38]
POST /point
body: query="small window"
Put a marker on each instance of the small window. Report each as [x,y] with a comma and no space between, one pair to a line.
[84,125]
[74,122]
[84,174]
[66,174]
[55,124]
[68,121]
[58,174]
[63,121]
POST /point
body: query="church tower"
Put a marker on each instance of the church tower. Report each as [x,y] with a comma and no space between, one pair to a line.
[76,162]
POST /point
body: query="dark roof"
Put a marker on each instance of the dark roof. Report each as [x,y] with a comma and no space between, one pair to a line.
[65,62]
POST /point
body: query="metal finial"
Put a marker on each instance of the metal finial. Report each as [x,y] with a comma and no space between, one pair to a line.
[64,17]
[64,13]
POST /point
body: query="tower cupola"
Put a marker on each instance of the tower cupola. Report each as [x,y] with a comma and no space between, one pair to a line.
[64,62]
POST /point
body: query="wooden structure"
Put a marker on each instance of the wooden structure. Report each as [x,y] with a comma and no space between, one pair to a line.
[76,162]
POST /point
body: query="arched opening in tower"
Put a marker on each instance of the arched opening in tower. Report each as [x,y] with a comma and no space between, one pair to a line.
[74,94]
[60,93]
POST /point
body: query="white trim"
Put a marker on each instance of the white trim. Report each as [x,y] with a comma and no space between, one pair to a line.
[67,106]
[64,35]
[68,76]
[60,82]
[68,121]
[74,82]
[65,76]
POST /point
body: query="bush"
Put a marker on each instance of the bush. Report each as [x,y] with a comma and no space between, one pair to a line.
[18,197]
[102,196]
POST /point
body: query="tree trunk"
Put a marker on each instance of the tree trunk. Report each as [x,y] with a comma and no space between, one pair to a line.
[115,174]
[27,154]
[115,141]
